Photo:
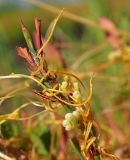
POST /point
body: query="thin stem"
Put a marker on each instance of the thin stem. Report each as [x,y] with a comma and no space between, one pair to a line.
[70,16]
[66,14]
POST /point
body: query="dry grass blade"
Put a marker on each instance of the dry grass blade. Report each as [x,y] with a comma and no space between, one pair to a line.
[15,114]
[12,116]
[66,14]
[50,31]
[90,142]
[70,16]
[11,94]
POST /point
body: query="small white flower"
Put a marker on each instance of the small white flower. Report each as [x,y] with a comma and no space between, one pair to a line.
[76,86]
[71,120]
[63,85]
[76,113]
[68,127]
[68,116]
[66,78]
[77,95]
[64,123]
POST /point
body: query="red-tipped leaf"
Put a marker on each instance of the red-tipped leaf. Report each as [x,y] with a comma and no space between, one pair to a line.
[22,52]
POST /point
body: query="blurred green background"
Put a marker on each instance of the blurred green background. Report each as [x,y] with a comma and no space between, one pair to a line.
[78,37]
[75,39]
[11,35]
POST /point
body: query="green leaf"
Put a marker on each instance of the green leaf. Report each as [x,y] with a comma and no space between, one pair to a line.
[76,150]
[29,42]
[7,130]
[38,144]
[46,139]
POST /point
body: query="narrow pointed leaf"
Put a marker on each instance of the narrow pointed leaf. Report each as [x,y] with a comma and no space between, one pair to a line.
[29,42]
[76,150]
[37,34]
[24,54]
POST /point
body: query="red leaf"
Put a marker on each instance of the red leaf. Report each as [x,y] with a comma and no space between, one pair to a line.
[62,144]
[24,29]
[24,54]
[111,32]
[44,96]
[53,54]
[37,34]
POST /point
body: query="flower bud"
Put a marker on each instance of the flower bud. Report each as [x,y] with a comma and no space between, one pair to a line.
[77,95]
[64,123]
[68,116]
[66,78]
[63,86]
[68,127]
[76,86]
[76,113]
